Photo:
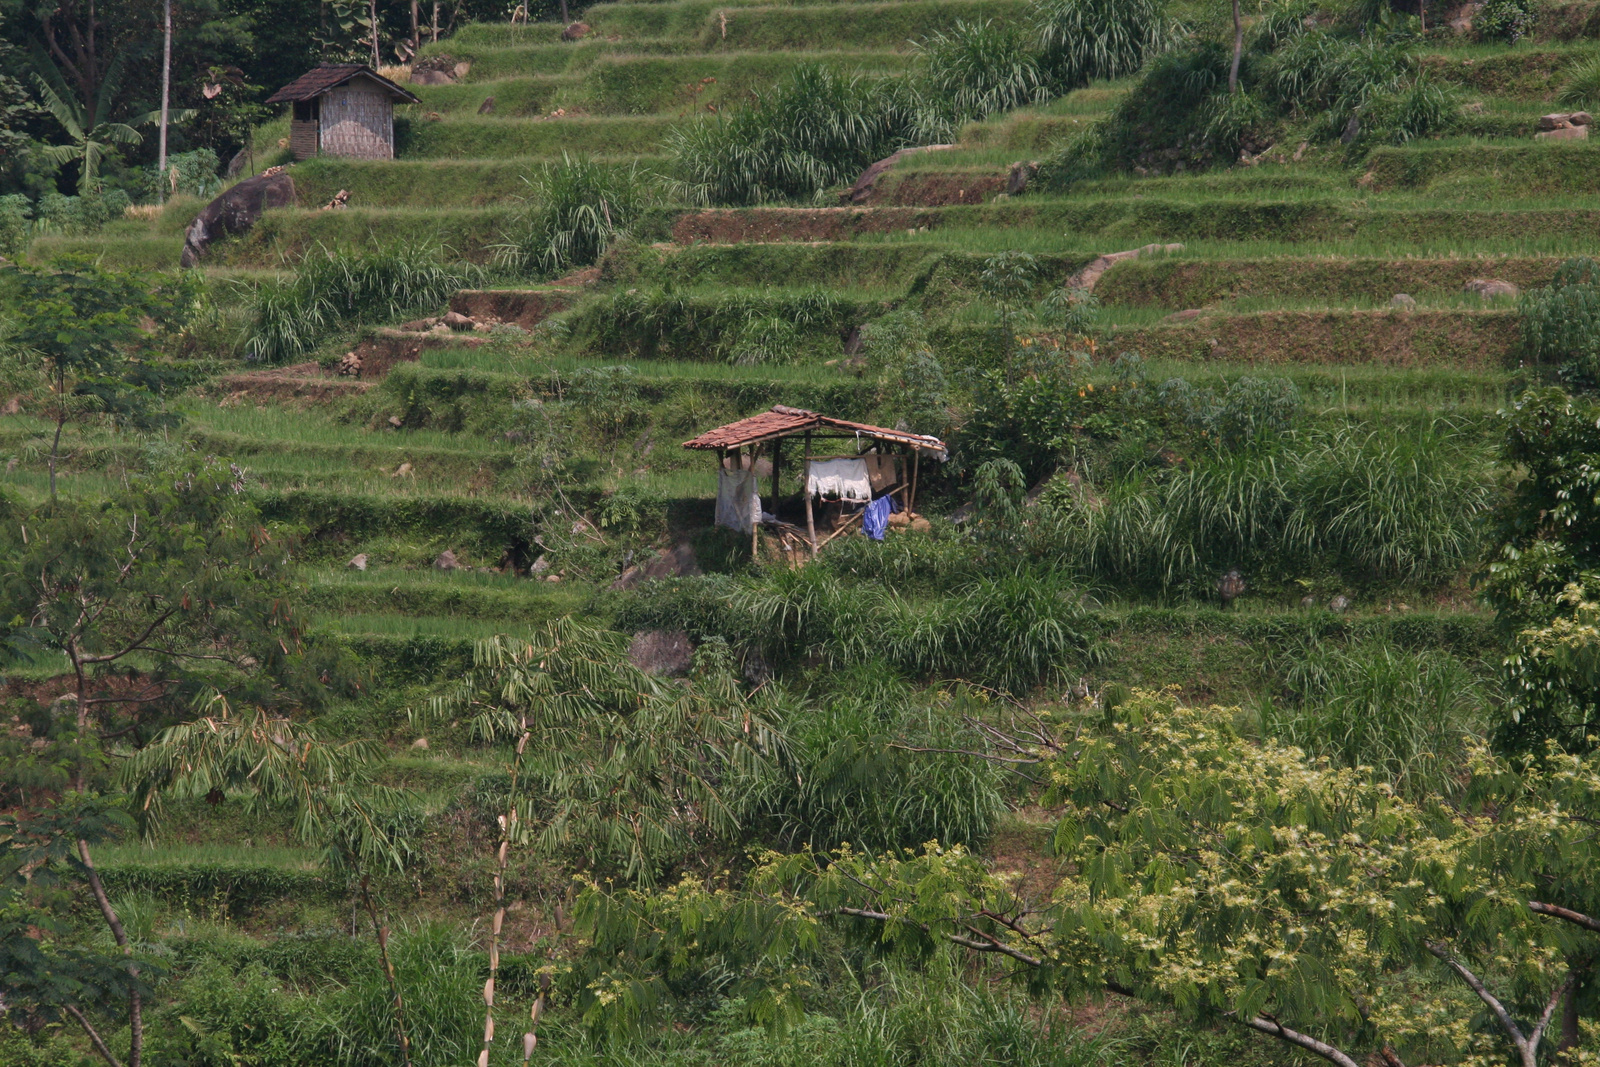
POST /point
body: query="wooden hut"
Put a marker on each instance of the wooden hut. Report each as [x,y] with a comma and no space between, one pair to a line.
[846,466]
[344,109]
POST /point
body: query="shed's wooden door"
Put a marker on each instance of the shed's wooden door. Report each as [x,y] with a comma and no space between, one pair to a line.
[358,120]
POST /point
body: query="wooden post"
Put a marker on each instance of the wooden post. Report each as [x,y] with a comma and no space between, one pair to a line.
[911,500]
[805,488]
[755,520]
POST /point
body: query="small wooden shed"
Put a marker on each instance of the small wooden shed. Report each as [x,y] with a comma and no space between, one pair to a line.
[344,109]
[888,461]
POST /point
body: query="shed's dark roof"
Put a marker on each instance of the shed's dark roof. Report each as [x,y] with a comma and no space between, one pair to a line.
[315,82]
[785,422]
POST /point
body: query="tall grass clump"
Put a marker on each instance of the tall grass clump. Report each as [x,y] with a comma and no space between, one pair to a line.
[1387,507]
[1561,322]
[1011,631]
[975,70]
[816,129]
[1582,87]
[1407,714]
[850,777]
[334,289]
[1084,40]
[577,209]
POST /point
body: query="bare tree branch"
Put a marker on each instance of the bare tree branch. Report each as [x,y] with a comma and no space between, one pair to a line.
[1305,1042]
[1577,918]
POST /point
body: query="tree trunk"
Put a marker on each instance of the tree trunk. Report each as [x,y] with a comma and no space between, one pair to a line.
[94,1036]
[1238,49]
[166,92]
[61,420]
[381,932]
[372,12]
[416,27]
[1570,1035]
[135,1002]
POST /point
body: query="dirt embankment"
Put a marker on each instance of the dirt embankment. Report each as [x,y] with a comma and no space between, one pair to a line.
[1420,338]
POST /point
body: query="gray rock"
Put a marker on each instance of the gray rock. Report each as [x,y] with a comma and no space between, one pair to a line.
[1308,602]
[1339,603]
[540,565]
[575,31]
[234,212]
[433,77]
[1491,288]
[668,652]
[1565,133]
[1403,300]
[358,563]
[679,561]
[457,321]
[447,561]
[420,744]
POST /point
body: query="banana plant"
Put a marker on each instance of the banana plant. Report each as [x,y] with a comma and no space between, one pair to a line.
[91,138]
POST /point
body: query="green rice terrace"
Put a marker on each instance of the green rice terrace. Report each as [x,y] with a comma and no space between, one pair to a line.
[1131,598]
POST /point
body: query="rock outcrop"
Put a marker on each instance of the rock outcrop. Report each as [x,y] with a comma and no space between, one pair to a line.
[235,211]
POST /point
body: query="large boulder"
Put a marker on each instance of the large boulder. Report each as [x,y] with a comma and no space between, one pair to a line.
[235,211]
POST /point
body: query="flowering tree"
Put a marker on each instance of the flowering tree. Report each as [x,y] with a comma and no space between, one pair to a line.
[1225,880]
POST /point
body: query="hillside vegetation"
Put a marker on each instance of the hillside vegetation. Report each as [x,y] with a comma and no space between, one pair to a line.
[367,637]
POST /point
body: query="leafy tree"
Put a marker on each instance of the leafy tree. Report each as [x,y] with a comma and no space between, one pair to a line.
[175,574]
[1226,880]
[1543,572]
[276,763]
[51,975]
[81,332]
[607,760]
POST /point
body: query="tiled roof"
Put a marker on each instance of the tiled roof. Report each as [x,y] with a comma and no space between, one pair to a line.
[315,82]
[785,422]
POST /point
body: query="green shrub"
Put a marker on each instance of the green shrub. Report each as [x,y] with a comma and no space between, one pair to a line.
[817,129]
[225,1016]
[1561,322]
[334,289]
[580,208]
[1505,20]
[16,211]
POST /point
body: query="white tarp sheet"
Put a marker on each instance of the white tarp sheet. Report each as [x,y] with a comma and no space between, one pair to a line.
[738,500]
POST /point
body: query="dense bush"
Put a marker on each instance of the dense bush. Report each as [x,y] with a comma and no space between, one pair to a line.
[578,209]
[334,289]
[816,129]
[1582,87]
[1505,20]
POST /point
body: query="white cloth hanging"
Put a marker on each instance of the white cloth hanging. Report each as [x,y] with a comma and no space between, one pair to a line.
[842,479]
[738,500]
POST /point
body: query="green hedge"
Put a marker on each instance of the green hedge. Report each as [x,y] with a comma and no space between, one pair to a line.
[234,889]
